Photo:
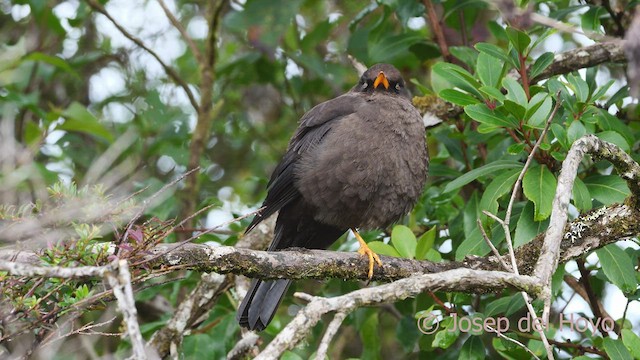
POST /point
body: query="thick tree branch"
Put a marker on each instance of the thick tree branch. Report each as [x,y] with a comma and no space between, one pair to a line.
[600,228]
[563,63]
[585,57]
[551,246]
[309,316]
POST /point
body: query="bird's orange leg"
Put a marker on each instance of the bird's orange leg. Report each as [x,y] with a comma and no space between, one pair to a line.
[365,250]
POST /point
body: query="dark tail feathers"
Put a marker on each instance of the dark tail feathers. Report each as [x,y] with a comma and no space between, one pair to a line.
[261,302]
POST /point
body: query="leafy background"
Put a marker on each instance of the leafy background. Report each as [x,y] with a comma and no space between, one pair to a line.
[83,104]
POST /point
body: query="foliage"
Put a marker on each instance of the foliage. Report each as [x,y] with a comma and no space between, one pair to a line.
[82,104]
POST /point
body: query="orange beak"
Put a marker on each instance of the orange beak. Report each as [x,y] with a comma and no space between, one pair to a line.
[381,79]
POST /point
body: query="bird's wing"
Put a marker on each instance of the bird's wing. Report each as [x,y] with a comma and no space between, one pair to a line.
[314,125]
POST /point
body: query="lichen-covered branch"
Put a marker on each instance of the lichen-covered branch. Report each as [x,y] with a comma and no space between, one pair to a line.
[452,280]
[551,246]
[584,234]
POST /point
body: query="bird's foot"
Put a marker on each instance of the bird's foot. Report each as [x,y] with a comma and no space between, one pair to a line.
[366,250]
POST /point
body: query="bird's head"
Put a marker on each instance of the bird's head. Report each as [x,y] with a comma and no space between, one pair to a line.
[382,78]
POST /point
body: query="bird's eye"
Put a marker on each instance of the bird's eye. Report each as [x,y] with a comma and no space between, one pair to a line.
[398,86]
[364,86]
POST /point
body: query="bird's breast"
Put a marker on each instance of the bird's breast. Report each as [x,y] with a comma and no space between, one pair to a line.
[369,170]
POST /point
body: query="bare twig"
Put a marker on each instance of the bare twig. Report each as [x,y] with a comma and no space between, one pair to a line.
[172,73]
[120,280]
[309,316]
[178,25]
[505,226]
[502,336]
[244,346]
[493,248]
[207,112]
[190,310]
[329,334]
[625,166]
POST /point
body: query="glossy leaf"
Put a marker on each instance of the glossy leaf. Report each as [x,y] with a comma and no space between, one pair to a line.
[482,114]
[518,39]
[618,268]
[489,70]
[404,241]
[539,186]
[541,63]
[607,189]
[457,97]
[490,168]
[501,185]
[616,350]
[425,243]
[581,195]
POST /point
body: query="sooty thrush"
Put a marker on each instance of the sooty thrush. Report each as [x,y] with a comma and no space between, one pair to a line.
[356,161]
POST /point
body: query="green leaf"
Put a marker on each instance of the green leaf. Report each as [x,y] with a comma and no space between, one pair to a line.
[590,20]
[490,168]
[561,134]
[614,138]
[515,92]
[607,122]
[493,93]
[602,90]
[466,54]
[494,51]
[579,86]
[448,335]
[391,47]
[541,63]
[616,350]
[501,185]
[78,118]
[489,70]
[425,243]
[576,131]
[458,77]
[581,196]
[472,349]
[433,256]
[381,248]
[515,109]
[519,39]
[504,305]
[482,114]
[457,97]
[538,113]
[617,266]
[607,189]
[632,342]
[53,60]
[370,334]
[527,228]
[516,149]
[539,186]
[404,241]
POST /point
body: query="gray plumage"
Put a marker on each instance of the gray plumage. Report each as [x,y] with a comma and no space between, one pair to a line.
[356,161]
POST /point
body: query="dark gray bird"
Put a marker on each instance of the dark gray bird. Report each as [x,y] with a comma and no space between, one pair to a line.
[356,161]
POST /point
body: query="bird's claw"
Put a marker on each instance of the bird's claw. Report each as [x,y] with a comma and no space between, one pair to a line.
[373,258]
[366,250]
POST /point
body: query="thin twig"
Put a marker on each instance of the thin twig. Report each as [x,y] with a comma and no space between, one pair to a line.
[178,25]
[501,335]
[505,226]
[120,280]
[493,248]
[168,69]
[331,332]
